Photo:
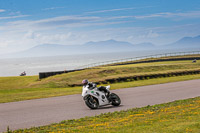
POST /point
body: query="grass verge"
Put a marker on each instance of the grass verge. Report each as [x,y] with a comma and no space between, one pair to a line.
[29,87]
[175,117]
[11,95]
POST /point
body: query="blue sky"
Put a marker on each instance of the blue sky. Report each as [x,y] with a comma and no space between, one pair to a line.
[27,23]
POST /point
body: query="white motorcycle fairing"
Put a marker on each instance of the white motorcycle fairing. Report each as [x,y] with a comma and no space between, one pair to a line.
[96,93]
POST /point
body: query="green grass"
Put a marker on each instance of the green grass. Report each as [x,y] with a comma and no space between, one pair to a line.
[175,117]
[99,74]
[12,95]
[19,82]
[29,87]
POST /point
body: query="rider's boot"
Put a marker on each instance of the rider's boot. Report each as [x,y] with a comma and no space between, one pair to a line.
[108,95]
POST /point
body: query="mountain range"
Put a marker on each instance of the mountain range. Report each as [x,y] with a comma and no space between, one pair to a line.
[186,42]
[102,47]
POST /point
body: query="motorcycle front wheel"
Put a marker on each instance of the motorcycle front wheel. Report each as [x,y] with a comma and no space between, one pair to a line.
[115,100]
[92,102]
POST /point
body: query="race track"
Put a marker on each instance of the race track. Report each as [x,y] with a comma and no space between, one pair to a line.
[29,113]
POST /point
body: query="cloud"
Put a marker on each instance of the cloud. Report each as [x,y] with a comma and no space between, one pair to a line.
[52,8]
[13,17]
[15,13]
[2,10]
[111,10]
[73,21]
[30,37]
[149,34]
[189,14]
[70,22]
[180,15]
[152,34]
[118,9]
[86,21]
[64,20]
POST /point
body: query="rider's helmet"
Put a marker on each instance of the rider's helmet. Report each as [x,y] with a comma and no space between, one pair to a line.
[85,82]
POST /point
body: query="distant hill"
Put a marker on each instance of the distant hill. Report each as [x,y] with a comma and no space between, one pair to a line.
[186,42]
[50,50]
[102,47]
[87,48]
[108,46]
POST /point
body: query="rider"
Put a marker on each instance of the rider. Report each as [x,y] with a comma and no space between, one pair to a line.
[93,85]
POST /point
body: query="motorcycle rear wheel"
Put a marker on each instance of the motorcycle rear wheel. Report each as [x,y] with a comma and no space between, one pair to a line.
[92,102]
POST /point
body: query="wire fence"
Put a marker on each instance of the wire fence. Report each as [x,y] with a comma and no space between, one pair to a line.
[138,58]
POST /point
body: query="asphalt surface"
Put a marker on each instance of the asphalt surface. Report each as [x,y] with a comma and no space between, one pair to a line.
[30,113]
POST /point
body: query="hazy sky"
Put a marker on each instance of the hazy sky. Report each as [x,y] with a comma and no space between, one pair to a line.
[27,23]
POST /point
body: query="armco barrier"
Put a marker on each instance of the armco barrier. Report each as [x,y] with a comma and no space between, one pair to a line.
[48,74]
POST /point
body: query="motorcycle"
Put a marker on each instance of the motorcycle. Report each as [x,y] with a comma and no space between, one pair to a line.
[23,74]
[94,98]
